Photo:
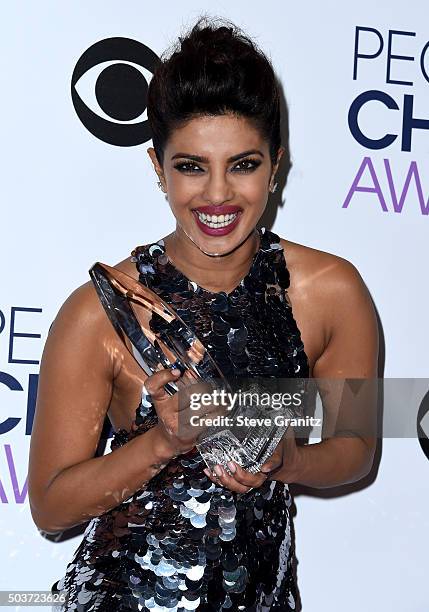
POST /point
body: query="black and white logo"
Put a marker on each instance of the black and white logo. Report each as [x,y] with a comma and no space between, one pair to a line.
[117,94]
[423,424]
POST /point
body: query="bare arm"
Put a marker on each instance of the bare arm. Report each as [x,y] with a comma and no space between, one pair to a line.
[67,484]
[346,451]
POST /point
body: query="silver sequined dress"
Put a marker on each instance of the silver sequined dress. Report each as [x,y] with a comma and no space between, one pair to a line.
[183,543]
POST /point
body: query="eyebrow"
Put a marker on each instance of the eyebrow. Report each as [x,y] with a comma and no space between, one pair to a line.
[205,160]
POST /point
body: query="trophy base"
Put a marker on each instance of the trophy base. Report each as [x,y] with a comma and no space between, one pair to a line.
[250,454]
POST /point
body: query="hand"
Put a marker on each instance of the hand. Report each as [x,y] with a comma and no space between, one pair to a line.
[241,481]
[178,433]
[283,465]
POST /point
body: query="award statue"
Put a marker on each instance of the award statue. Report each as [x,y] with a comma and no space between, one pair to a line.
[158,338]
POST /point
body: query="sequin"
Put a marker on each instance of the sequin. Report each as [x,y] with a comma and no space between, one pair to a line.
[182,542]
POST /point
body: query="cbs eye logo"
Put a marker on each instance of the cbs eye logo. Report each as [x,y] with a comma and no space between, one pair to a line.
[423,424]
[109,90]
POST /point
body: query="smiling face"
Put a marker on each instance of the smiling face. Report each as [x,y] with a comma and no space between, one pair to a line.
[217,172]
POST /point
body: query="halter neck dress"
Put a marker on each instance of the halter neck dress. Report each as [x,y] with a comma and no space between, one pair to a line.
[182,542]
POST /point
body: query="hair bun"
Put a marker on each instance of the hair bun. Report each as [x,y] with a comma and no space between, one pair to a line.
[209,42]
[213,68]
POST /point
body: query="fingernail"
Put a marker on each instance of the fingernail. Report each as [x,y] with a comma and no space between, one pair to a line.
[231,466]
[175,371]
[206,472]
[218,470]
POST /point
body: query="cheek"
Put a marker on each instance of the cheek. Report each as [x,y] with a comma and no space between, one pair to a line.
[254,185]
[254,188]
[181,189]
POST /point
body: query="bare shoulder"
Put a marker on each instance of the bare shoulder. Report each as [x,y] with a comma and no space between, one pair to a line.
[81,307]
[320,271]
[83,303]
[82,319]
[328,295]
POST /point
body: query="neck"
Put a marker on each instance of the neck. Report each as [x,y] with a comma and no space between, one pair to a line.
[213,271]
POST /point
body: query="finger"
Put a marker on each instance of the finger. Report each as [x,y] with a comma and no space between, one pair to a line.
[225,481]
[229,482]
[203,403]
[290,432]
[245,478]
[188,382]
[275,461]
[154,383]
[213,477]
[190,394]
[271,466]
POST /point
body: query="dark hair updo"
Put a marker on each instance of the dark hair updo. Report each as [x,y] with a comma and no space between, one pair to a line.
[213,70]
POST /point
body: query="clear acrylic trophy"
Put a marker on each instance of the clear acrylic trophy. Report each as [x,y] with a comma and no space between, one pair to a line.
[158,338]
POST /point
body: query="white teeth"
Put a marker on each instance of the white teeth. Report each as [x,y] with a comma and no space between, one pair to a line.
[217,220]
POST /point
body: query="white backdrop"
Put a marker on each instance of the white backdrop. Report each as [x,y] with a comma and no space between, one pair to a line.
[63,191]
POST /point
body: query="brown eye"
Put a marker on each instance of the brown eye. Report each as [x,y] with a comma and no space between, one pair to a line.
[188,168]
[247,165]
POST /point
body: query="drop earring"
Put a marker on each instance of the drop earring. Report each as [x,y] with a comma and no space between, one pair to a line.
[162,189]
[273,188]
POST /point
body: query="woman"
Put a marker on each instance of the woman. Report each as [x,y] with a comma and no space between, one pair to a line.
[164,533]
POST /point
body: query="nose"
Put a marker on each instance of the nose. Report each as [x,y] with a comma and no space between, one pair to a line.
[217,188]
